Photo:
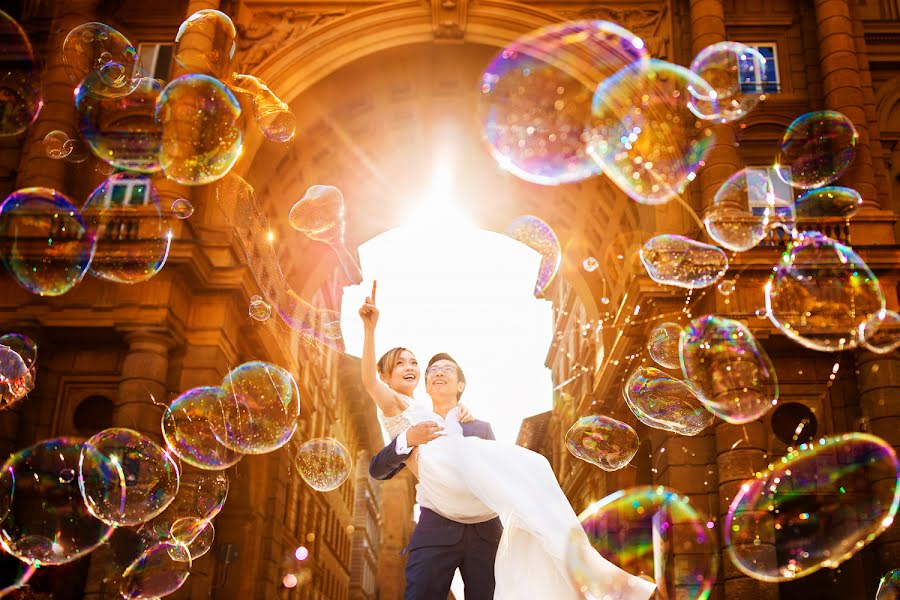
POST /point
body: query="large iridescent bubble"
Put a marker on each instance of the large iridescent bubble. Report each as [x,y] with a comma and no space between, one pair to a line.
[817,148]
[205,43]
[821,292]
[46,521]
[131,230]
[324,464]
[832,201]
[661,401]
[15,378]
[100,59]
[746,206]
[272,114]
[535,103]
[201,140]
[320,215]
[23,346]
[656,533]
[730,369]
[737,73]
[20,79]
[602,441]
[645,137]
[879,334]
[155,573]
[662,345]
[45,244]
[814,508]
[259,409]
[682,262]
[188,431]
[889,586]
[125,477]
[123,131]
[539,236]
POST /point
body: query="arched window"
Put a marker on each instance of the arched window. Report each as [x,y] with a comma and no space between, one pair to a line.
[93,414]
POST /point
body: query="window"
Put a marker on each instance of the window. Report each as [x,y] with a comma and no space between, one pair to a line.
[156,59]
[93,414]
[753,80]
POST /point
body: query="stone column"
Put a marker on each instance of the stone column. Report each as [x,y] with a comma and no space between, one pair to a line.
[878,382]
[843,87]
[144,374]
[58,112]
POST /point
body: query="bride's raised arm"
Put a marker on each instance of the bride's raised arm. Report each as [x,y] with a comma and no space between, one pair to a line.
[385,398]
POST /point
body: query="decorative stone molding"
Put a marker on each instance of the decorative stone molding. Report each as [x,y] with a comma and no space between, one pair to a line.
[448,19]
[650,23]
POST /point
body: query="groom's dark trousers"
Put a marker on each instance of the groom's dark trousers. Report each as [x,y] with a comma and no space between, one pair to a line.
[438,546]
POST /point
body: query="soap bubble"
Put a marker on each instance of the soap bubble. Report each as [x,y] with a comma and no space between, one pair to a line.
[683,262]
[814,508]
[46,521]
[730,369]
[75,150]
[182,209]
[125,477]
[273,116]
[23,346]
[817,148]
[205,43]
[663,402]
[880,333]
[46,246]
[746,206]
[331,320]
[198,541]
[98,50]
[155,573]
[324,464]
[662,345]
[200,497]
[655,533]
[55,144]
[16,380]
[726,287]
[320,215]
[889,586]
[834,201]
[590,264]
[200,137]
[259,309]
[602,441]
[821,292]
[535,102]
[260,409]
[737,73]
[123,131]
[187,429]
[20,79]
[645,137]
[14,574]
[131,231]
[539,236]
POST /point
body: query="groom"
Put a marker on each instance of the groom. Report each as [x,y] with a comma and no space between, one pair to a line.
[438,546]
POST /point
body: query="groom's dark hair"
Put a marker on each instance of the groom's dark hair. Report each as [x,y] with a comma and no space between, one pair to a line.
[459,372]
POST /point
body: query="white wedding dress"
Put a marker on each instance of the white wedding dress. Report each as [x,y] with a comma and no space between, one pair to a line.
[469,479]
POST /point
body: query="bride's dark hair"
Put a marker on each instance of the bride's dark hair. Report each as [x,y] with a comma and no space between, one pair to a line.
[389,359]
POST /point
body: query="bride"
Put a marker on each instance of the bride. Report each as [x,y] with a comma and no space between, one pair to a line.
[469,479]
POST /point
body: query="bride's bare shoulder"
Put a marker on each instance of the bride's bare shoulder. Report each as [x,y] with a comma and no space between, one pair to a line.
[399,405]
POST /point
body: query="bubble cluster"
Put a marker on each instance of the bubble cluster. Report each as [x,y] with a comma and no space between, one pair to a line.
[20,79]
[324,464]
[130,228]
[663,402]
[662,345]
[602,441]
[188,431]
[539,236]
[738,75]
[273,116]
[655,533]
[816,149]
[200,137]
[46,245]
[123,131]
[821,292]
[320,215]
[125,477]
[645,137]
[833,201]
[155,573]
[100,59]
[536,95]
[205,43]
[880,333]
[814,508]
[45,520]
[729,368]
[746,206]
[259,409]
[683,262]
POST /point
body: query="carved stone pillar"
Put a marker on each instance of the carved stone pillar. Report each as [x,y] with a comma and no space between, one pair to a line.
[58,112]
[708,27]
[878,383]
[144,376]
[843,87]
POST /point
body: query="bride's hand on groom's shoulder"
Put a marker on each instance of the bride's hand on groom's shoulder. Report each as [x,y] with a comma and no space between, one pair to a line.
[464,414]
[368,312]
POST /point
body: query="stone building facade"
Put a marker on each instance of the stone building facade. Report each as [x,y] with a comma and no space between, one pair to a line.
[376,86]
